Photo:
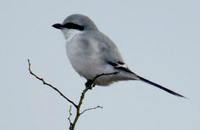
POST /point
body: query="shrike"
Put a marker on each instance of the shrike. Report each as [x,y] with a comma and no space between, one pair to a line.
[92,53]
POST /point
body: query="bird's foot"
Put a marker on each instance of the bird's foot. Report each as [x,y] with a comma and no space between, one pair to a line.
[89,84]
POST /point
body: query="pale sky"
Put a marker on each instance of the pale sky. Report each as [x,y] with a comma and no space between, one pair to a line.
[158,39]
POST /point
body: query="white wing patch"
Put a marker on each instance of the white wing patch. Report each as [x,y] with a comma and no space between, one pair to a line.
[121,65]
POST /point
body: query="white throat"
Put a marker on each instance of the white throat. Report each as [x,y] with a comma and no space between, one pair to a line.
[70,33]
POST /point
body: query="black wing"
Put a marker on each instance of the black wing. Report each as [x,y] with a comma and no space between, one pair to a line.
[120,66]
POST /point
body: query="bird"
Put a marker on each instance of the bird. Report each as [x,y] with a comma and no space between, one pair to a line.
[93,54]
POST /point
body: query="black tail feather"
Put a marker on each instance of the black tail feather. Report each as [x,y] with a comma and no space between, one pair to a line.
[161,87]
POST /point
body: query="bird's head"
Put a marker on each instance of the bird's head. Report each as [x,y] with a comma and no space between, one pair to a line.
[75,23]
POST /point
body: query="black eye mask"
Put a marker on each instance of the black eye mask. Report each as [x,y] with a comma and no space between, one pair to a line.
[73,26]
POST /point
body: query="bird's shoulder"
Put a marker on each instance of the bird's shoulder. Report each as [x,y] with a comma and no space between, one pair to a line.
[103,44]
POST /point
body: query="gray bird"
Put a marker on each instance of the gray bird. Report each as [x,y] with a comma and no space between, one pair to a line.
[92,53]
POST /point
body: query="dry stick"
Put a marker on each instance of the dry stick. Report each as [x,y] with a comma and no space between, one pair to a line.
[77,106]
[51,86]
[92,108]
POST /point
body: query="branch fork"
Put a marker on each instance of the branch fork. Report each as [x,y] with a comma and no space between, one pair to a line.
[89,85]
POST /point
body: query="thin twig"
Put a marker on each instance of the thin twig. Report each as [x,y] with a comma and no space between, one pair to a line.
[92,108]
[103,74]
[48,84]
[70,114]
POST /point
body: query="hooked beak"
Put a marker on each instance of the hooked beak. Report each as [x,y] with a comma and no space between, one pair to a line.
[58,26]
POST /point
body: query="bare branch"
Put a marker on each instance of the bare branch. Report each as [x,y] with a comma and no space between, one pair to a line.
[72,127]
[89,85]
[89,109]
[51,86]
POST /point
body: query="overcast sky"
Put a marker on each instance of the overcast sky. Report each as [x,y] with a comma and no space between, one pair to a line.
[158,40]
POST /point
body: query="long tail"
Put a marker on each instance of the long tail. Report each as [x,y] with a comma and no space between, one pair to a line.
[120,66]
[161,87]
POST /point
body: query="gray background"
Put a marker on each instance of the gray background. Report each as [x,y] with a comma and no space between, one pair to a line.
[158,39]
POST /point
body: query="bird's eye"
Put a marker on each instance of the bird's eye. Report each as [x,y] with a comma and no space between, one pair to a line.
[74,26]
